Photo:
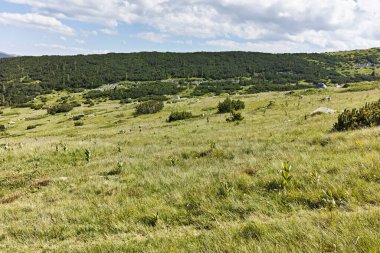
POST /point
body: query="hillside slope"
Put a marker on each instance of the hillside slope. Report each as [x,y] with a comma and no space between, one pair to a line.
[23,78]
[120,183]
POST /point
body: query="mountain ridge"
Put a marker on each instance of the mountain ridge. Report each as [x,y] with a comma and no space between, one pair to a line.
[5,55]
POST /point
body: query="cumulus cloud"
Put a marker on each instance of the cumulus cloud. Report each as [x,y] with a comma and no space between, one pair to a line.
[66,50]
[289,25]
[81,42]
[108,31]
[151,36]
[261,46]
[36,21]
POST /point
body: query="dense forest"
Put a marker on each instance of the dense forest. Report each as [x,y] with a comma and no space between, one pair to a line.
[23,78]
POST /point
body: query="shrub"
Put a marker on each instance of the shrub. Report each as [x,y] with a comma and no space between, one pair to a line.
[89,102]
[63,107]
[229,105]
[75,104]
[31,127]
[149,107]
[126,101]
[367,116]
[36,106]
[117,170]
[174,116]
[78,117]
[21,105]
[87,154]
[78,123]
[285,173]
[3,128]
[150,220]
[235,116]
[329,200]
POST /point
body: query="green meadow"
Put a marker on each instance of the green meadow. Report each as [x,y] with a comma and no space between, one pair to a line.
[121,183]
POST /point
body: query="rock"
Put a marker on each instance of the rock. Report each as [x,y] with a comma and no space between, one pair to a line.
[326,99]
[322,110]
[321,86]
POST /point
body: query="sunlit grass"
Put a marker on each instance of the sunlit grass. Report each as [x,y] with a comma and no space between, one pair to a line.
[198,185]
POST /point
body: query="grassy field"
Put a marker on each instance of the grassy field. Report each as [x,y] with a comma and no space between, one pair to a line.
[199,185]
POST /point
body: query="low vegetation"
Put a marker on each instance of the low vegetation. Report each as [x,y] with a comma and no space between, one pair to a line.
[149,107]
[78,123]
[235,116]
[230,105]
[62,107]
[174,116]
[141,184]
[366,116]
[24,78]
[141,92]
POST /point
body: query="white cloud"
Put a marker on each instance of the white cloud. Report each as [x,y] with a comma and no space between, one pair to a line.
[108,31]
[80,42]
[184,42]
[151,36]
[66,50]
[36,21]
[267,47]
[269,25]
[89,33]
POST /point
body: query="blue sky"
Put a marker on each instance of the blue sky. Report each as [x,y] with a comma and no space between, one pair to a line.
[45,27]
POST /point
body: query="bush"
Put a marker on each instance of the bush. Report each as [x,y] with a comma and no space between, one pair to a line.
[31,127]
[116,171]
[174,116]
[78,117]
[89,102]
[36,106]
[126,101]
[78,123]
[235,116]
[149,107]
[64,107]
[3,128]
[229,105]
[21,105]
[367,116]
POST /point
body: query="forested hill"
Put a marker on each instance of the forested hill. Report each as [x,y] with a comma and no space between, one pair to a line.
[21,78]
[94,70]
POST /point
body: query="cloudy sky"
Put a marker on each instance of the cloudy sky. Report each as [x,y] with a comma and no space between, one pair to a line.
[38,27]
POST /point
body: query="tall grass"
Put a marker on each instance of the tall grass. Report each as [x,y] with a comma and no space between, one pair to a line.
[202,185]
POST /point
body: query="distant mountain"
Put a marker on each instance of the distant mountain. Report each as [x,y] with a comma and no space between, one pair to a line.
[4,55]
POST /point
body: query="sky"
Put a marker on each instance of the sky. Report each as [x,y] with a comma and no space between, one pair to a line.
[70,27]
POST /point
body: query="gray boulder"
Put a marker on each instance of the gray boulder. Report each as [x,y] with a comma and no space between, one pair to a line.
[322,110]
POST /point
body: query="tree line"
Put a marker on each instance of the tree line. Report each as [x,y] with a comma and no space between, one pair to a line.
[23,78]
